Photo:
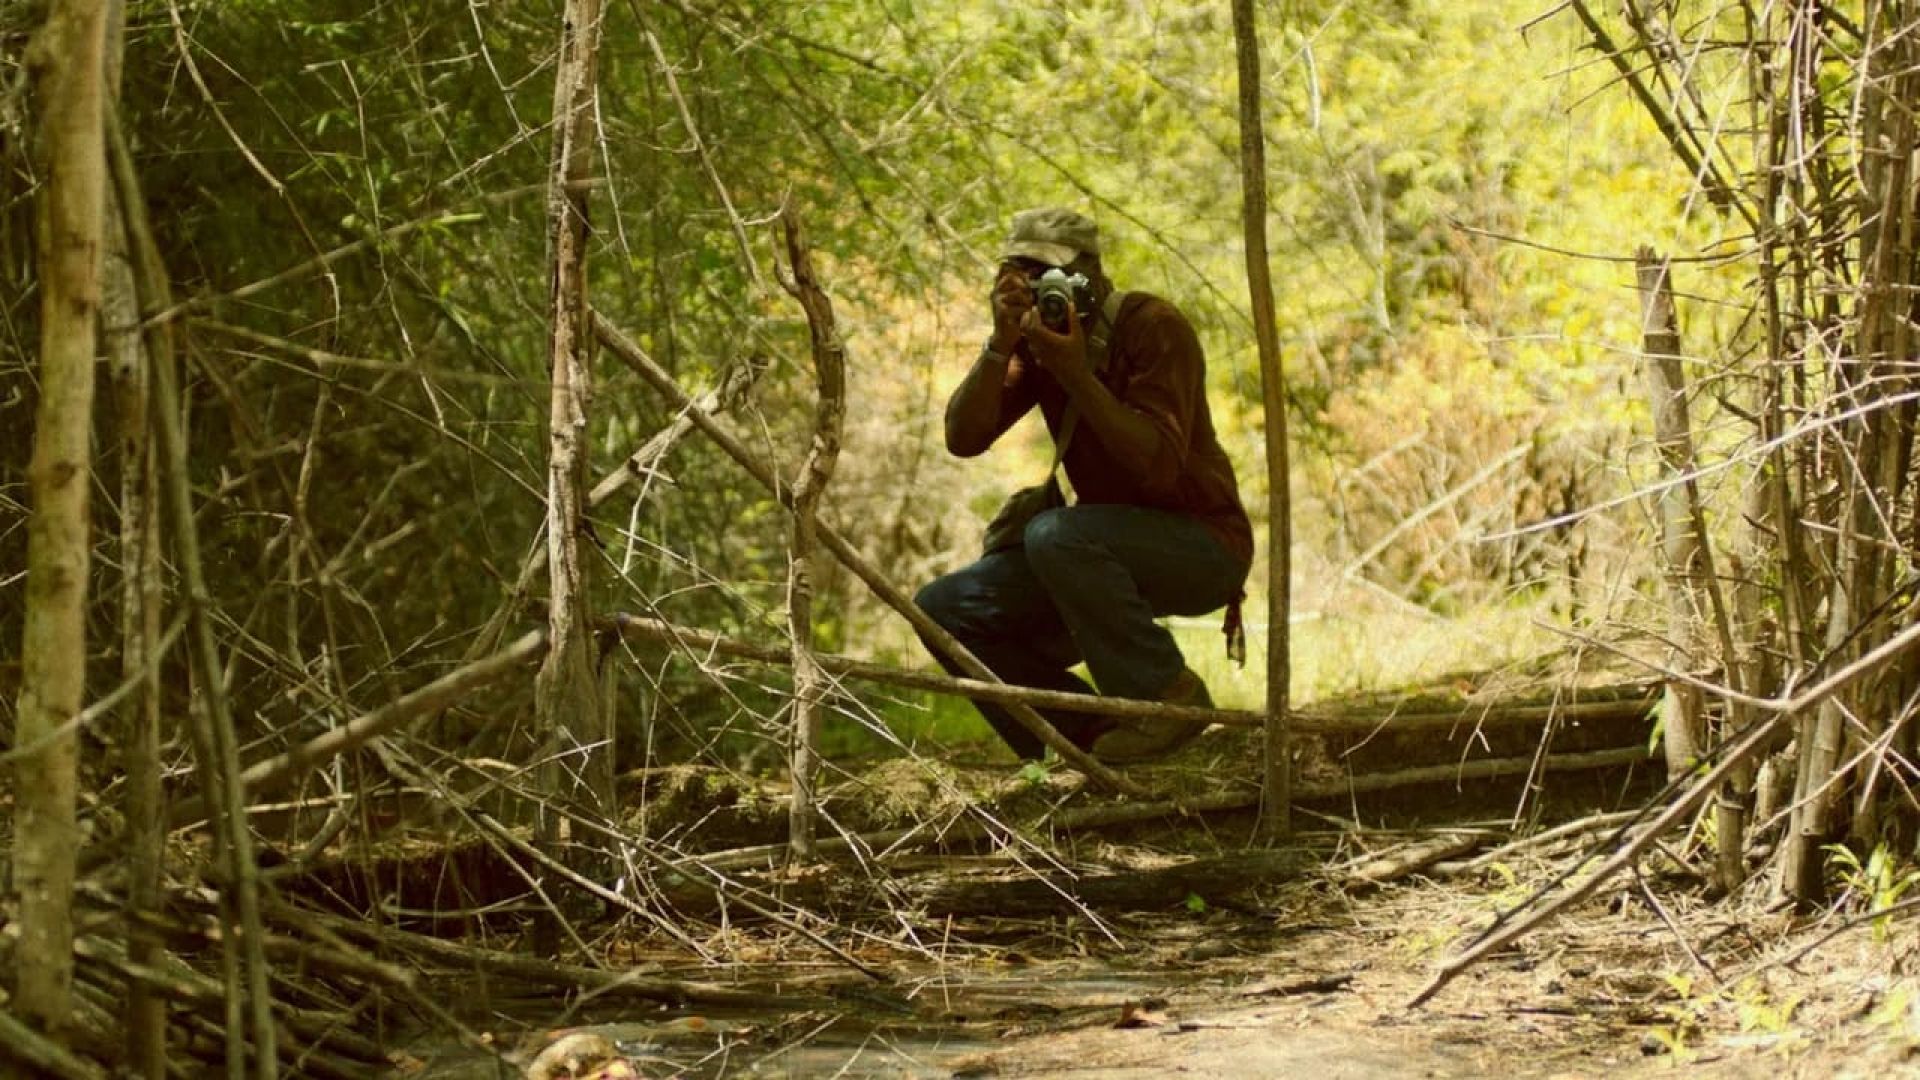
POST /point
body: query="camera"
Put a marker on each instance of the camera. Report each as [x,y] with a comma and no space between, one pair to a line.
[1056,292]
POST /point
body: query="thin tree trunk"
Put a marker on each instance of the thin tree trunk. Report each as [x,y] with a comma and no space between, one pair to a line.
[65,65]
[215,743]
[830,379]
[1276,797]
[143,811]
[129,370]
[567,707]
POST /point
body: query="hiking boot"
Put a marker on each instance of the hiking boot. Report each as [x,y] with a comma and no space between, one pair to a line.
[1136,740]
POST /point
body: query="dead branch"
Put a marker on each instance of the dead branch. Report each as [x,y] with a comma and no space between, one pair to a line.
[850,557]
[1559,834]
[214,738]
[735,382]
[1734,757]
[434,696]
[1411,859]
[25,1046]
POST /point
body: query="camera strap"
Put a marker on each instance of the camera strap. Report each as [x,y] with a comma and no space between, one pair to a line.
[1098,344]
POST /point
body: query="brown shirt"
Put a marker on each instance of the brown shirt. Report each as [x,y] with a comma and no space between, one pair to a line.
[1155,367]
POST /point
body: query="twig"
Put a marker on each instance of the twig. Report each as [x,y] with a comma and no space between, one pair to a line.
[1801,953]
[547,973]
[320,262]
[1735,757]
[436,695]
[1551,836]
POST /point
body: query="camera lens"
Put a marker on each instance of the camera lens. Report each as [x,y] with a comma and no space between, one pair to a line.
[1053,308]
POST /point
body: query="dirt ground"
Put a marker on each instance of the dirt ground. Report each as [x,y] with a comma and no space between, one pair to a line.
[1306,975]
[1611,992]
[1308,980]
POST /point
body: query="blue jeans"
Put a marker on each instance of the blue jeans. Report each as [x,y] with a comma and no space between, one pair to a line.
[1087,585]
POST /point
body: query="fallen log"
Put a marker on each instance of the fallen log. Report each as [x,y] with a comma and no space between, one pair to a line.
[1103,815]
[1629,701]
[1215,881]
[1410,859]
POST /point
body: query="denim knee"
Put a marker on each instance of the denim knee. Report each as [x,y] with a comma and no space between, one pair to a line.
[1053,539]
[940,599]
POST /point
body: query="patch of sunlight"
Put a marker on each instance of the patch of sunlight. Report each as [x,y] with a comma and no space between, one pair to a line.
[1362,648]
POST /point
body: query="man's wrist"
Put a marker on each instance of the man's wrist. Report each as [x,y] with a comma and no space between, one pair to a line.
[995,352]
[1077,381]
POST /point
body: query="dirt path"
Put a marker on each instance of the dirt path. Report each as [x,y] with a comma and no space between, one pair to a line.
[1319,991]
[1616,994]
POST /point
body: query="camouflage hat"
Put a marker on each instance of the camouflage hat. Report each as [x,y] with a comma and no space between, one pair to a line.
[1053,235]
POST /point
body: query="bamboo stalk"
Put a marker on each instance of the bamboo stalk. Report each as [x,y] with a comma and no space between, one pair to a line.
[65,64]
[130,366]
[1680,545]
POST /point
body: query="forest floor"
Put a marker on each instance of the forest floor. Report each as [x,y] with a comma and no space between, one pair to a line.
[1304,974]
[1612,992]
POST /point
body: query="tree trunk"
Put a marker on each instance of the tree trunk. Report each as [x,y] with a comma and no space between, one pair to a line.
[579,764]
[1276,797]
[809,683]
[65,65]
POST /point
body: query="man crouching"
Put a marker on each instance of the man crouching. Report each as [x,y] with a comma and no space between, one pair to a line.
[1157,527]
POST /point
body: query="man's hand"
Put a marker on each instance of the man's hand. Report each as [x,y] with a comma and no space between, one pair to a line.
[1012,300]
[1064,356]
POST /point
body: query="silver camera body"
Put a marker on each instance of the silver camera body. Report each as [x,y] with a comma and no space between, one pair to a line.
[1057,292]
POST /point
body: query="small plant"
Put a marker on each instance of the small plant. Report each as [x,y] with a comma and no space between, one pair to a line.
[1035,773]
[1879,880]
[1683,1018]
[1196,904]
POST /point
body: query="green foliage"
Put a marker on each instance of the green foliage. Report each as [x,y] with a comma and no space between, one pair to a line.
[1880,882]
[372,502]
